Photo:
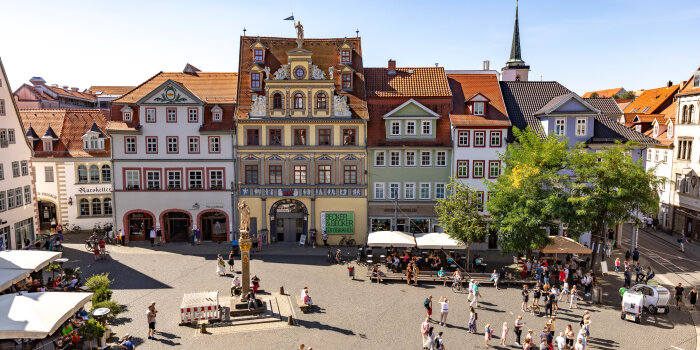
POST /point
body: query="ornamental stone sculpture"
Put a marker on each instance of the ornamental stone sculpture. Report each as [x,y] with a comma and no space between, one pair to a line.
[244,211]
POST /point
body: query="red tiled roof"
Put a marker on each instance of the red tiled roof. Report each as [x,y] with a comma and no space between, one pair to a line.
[69,125]
[379,106]
[324,54]
[654,99]
[687,88]
[209,87]
[603,93]
[71,93]
[109,90]
[463,85]
[421,81]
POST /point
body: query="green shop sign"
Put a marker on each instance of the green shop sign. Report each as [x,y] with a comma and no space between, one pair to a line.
[340,223]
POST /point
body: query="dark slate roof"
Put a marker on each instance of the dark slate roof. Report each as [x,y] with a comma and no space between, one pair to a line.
[50,133]
[31,133]
[607,106]
[97,129]
[524,99]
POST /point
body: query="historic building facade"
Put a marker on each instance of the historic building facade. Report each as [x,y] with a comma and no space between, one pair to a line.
[74,172]
[18,211]
[172,151]
[300,133]
[40,95]
[479,127]
[686,159]
[409,146]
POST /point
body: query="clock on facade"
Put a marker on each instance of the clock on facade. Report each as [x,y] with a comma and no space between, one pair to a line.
[299,72]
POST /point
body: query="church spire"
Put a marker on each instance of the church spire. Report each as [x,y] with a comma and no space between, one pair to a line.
[515,46]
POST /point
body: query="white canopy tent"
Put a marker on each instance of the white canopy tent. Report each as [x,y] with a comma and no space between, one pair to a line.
[438,240]
[37,315]
[390,239]
[8,277]
[26,259]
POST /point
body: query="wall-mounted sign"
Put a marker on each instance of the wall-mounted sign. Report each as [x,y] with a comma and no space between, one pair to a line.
[49,195]
[97,189]
[341,223]
[214,205]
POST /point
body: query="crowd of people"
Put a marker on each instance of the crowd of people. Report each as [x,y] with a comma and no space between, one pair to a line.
[69,338]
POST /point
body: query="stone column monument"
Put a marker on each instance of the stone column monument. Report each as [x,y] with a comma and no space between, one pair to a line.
[245,244]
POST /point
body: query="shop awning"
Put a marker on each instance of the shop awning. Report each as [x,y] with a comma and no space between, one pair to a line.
[390,239]
[565,245]
[26,259]
[37,315]
[8,277]
[437,240]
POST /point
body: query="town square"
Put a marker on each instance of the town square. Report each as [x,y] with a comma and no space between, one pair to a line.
[260,180]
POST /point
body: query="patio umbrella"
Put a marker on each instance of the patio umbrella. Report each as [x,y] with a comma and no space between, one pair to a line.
[438,240]
[565,245]
[390,238]
[37,315]
[8,277]
[26,259]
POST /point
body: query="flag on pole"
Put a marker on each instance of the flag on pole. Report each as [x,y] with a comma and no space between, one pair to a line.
[290,18]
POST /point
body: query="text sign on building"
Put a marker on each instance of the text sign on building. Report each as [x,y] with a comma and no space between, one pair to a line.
[96,190]
[340,223]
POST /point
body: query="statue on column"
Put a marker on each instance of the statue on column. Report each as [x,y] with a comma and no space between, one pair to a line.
[244,211]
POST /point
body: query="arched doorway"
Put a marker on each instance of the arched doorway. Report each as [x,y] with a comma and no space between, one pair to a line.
[176,225]
[214,225]
[138,223]
[47,212]
[288,220]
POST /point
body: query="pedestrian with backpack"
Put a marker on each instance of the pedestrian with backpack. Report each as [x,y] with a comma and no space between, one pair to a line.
[428,304]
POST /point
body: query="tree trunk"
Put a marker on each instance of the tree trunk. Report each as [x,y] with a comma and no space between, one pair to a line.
[528,253]
[468,257]
[595,241]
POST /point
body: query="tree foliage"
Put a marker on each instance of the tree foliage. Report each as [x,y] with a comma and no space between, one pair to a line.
[629,95]
[530,195]
[98,281]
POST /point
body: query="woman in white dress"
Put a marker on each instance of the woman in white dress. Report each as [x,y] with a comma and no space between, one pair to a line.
[220,265]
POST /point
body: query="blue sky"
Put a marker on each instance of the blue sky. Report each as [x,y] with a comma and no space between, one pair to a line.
[586,45]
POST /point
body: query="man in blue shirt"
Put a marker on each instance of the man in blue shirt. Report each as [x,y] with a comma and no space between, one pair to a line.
[128,344]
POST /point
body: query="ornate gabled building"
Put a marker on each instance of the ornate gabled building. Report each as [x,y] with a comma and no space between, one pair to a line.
[74,169]
[409,146]
[300,133]
[172,139]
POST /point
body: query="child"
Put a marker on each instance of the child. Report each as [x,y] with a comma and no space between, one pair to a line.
[96,250]
[103,249]
[617,265]
[504,334]
[488,332]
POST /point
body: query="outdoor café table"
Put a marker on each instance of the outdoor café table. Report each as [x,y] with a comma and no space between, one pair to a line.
[100,314]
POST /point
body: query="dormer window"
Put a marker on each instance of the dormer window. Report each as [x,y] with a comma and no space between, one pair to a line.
[478,108]
[126,116]
[255,80]
[216,114]
[346,81]
[346,56]
[696,79]
[258,55]
[656,130]
[48,146]
[669,130]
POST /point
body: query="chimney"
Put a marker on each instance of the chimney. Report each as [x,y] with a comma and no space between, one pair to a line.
[670,83]
[487,64]
[37,81]
[65,87]
[392,67]
[74,89]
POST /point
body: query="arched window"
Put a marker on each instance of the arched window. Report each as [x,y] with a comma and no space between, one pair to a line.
[321,102]
[691,109]
[96,207]
[684,115]
[106,173]
[84,207]
[277,101]
[94,174]
[298,101]
[107,205]
[82,174]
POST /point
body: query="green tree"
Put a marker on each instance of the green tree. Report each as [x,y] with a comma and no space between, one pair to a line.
[92,330]
[594,95]
[98,281]
[607,187]
[459,215]
[629,95]
[531,194]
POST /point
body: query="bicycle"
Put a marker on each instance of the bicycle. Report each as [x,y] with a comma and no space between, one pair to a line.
[346,241]
[89,245]
[457,286]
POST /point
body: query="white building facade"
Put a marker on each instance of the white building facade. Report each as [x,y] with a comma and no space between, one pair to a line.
[173,156]
[18,211]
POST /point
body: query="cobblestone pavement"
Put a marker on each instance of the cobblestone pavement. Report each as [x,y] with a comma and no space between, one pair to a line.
[352,314]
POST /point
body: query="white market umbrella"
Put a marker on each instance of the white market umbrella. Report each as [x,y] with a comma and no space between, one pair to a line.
[26,259]
[438,240]
[390,238]
[8,277]
[37,315]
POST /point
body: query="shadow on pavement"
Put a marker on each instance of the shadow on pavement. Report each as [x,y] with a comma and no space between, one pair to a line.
[320,326]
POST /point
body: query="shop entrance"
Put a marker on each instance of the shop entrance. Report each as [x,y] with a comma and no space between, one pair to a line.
[139,224]
[214,226]
[288,220]
[177,226]
[47,212]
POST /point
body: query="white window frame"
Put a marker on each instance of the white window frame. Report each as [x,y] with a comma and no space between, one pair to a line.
[398,190]
[48,174]
[216,175]
[391,158]
[150,118]
[198,183]
[383,158]
[430,158]
[495,136]
[581,126]
[423,125]
[195,114]
[444,158]
[149,144]
[217,116]
[409,124]
[172,141]
[498,167]
[168,115]
[665,156]
[130,178]
[412,194]
[379,186]
[190,144]
[479,135]
[465,167]
[563,127]
[439,185]
[420,189]
[127,116]
[171,179]
[656,155]
[412,159]
[128,144]
[396,123]
[649,155]
[153,179]
[460,138]
[214,142]
[479,110]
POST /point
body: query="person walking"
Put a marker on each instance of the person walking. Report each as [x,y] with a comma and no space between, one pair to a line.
[325,239]
[573,297]
[230,261]
[430,342]
[444,305]
[220,265]
[628,278]
[527,345]
[152,236]
[635,255]
[424,327]
[526,298]
[504,333]
[617,265]
[472,320]
[151,318]
[570,335]
[470,290]
[488,333]
[561,341]
[693,297]
[476,295]
[682,242]
[518,329]
[159,237]
[679,295]
[439,345]
[428,304]
[548,303]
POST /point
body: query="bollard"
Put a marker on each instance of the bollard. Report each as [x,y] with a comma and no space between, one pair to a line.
[281,290]
[203,327]
[290,320]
